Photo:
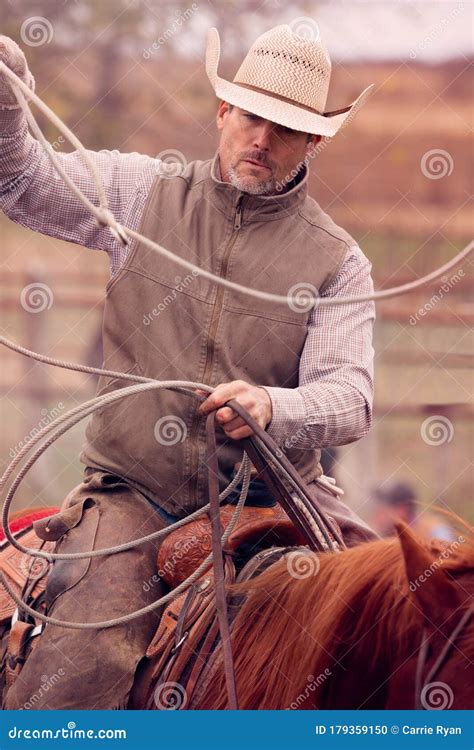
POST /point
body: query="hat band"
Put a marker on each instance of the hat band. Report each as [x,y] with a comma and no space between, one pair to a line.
[292,101]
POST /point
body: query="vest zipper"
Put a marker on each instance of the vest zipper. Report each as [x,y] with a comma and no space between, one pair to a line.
[211,341]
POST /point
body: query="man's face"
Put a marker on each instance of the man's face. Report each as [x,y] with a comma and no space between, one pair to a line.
[256,155]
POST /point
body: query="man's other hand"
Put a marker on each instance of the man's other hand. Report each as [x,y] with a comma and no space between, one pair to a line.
[252,397]
[13,57]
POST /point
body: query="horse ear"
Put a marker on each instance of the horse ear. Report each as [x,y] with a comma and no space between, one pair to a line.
[436,595]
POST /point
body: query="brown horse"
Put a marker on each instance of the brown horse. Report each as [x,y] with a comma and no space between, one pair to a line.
[344,631]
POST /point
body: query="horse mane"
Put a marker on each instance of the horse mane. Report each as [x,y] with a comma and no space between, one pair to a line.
[290,630]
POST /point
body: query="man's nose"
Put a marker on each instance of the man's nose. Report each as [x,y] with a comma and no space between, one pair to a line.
[263,136]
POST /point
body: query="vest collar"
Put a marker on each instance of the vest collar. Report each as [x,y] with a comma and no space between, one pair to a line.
[256,207]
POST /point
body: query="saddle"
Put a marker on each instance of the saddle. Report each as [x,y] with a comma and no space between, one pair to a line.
[27,576]
[186,548]
[185,647]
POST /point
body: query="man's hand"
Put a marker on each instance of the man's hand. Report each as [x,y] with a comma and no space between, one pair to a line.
[253,398]
[13,57]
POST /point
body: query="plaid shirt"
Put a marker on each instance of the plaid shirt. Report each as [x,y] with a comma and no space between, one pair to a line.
[332,404]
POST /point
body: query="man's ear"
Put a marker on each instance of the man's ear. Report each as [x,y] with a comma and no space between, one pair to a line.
[222,112]
[312,144]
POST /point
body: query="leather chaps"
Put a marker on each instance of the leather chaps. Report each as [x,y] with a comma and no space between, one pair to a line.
[94,669]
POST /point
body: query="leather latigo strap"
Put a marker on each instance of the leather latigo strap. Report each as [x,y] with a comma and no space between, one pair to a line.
[218,560]
[294,497]
[16,650]
[179,651]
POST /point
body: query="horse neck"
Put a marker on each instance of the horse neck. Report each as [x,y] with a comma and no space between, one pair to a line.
[361,680]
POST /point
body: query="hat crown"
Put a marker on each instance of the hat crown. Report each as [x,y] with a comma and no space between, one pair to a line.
[284,63]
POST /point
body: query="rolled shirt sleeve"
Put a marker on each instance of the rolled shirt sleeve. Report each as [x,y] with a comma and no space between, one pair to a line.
[332,404]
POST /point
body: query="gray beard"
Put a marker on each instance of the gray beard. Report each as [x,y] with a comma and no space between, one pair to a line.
[255,188]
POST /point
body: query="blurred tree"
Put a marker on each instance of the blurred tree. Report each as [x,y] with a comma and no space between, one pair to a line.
[81,58]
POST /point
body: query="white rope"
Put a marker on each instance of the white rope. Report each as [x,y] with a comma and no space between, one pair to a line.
[150,607]
[105,218]
[57,428]
[63,423]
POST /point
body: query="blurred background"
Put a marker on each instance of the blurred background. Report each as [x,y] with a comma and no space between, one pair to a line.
[130,75]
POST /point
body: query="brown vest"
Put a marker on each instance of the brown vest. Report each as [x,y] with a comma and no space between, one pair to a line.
[164,322]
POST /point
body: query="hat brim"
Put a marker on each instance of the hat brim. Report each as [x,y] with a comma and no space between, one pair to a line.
[270,107]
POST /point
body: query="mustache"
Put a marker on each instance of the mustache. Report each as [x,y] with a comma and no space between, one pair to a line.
[257,156]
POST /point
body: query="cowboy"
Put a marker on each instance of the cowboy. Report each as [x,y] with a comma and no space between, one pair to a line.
[304,373]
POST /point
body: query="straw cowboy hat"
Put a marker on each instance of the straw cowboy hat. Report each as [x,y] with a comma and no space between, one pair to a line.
[284,78]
